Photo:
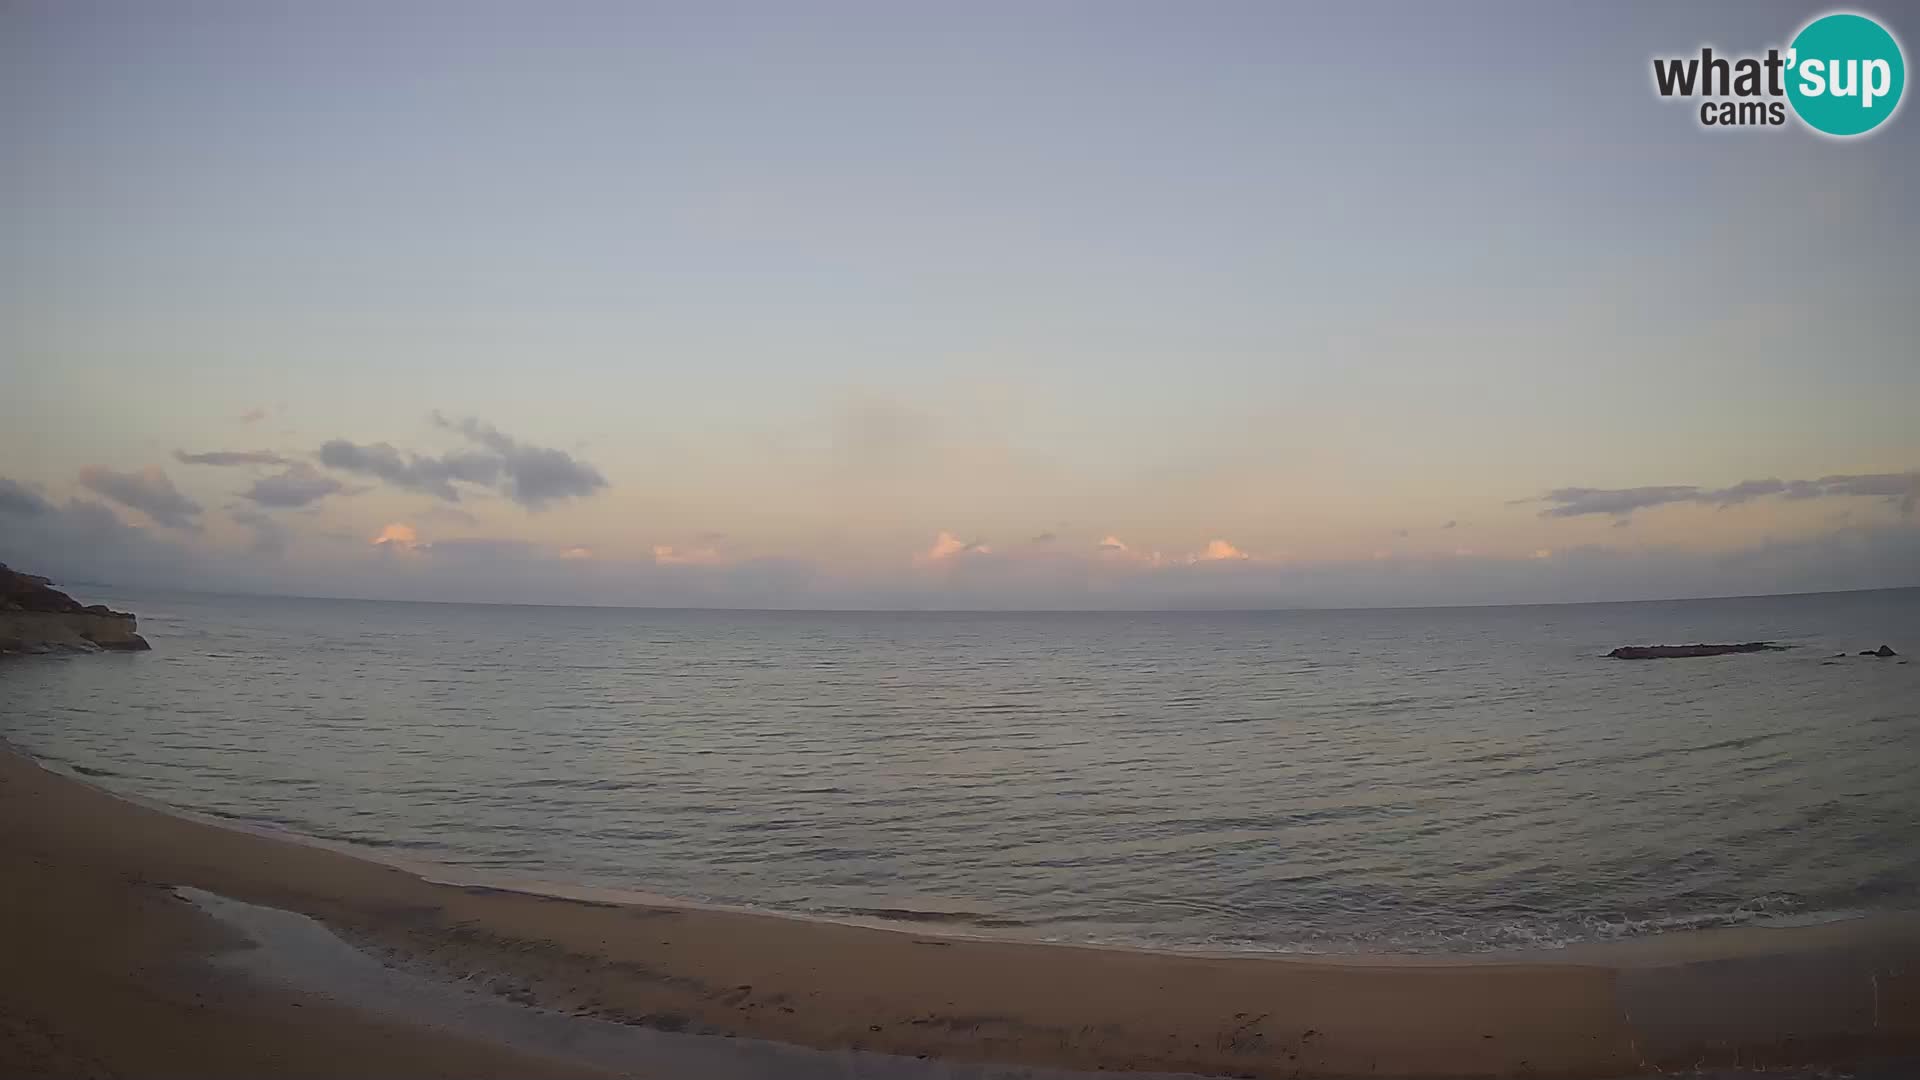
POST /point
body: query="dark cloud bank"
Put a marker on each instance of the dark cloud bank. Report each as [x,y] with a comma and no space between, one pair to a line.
[1901,489]
[532,476]
[230,458]
[19,500]
[298,486]
[149,492]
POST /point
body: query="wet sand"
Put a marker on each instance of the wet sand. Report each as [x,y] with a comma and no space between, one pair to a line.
[107,976]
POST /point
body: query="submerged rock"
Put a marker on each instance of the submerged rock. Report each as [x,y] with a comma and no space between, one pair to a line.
[35,617]
[1667,652]
[1882,651]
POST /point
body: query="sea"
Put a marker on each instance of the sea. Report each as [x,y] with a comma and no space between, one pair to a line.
[1319,782]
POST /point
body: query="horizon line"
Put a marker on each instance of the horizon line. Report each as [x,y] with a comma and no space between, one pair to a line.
[1180,610]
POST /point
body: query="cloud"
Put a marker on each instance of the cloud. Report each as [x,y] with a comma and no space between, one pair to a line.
[230,457]
[946,547]
[1114,550]
[1901,489]
[1219,551]
[535,475]
[397,536]
[1450,525]
[532,476]
[1043,538]
[1576,501]
[1880,556]
[401,538]
[148,491]
[1743,491]
[83,539]
[21,500]
[253,415]
[297,486]
[409,471]
[539,475]
[667,555]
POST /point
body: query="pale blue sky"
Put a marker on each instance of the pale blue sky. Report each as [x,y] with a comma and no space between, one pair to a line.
[830,279]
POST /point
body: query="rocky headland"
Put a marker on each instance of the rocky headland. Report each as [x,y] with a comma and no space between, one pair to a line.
[35,617]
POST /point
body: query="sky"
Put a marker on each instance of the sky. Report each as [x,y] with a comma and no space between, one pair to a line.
[985,305]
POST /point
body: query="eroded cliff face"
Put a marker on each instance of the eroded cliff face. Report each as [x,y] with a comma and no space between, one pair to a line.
[35,617]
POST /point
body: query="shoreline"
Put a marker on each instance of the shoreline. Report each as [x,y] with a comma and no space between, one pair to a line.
[1624,950]
[1746,995]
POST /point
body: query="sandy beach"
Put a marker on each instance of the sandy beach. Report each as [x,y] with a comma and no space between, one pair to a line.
[107,978]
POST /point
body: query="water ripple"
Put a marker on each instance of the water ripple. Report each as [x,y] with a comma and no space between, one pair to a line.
[1462,779]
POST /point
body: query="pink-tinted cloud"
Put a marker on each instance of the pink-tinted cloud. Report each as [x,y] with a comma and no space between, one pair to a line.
[1219,551]
[398,536]
[1115,551]
[946,547]
[668,555]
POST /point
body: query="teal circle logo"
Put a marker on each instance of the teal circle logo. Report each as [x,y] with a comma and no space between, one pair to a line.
[1845,74]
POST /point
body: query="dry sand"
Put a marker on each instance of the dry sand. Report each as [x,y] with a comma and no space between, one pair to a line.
[105,976]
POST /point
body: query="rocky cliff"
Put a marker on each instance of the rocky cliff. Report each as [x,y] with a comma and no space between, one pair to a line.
[35,617]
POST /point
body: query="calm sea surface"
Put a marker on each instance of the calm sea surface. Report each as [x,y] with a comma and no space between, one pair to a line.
[1457,779]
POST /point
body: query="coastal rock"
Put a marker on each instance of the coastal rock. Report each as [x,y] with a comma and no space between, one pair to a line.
[1883,652]
[1667,652]
[35,617]
[28,592]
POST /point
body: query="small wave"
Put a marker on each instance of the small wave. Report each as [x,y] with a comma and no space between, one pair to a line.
[915,915]
[303,831]
[1772,911]
[1381,702]
[367,841]
[245,819]
[89,770]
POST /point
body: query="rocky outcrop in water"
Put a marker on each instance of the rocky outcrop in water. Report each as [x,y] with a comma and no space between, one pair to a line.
[1668,652]
[35,617]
